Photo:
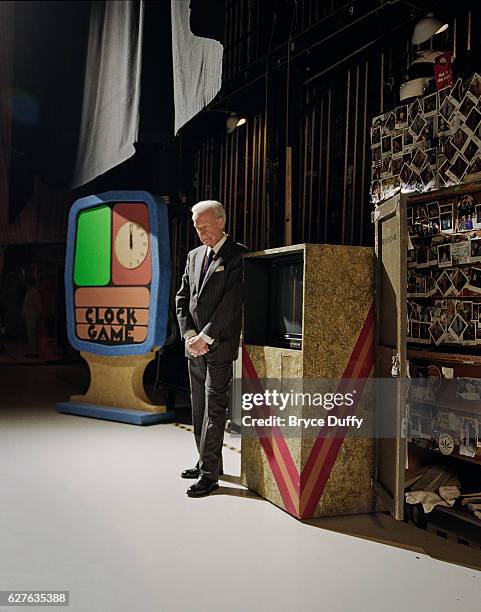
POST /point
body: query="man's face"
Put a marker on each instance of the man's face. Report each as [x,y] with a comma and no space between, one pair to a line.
[209,228]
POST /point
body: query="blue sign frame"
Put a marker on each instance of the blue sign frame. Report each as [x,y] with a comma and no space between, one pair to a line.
[160,283]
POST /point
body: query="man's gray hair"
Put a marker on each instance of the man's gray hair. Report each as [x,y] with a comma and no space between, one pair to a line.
[213,205]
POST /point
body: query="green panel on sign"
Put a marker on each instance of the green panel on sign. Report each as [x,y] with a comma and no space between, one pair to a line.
[92,249]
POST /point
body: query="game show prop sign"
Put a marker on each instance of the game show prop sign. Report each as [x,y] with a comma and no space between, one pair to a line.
[117,278]
[117,273]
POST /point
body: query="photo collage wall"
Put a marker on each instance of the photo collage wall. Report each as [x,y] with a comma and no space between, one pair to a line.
[444,271]
[431,143]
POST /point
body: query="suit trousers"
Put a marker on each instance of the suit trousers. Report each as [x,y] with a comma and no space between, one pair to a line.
[209,388]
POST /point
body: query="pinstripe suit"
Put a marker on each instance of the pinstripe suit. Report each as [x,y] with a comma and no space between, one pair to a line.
[214,308]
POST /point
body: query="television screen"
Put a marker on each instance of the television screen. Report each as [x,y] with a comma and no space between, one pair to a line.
[285,302]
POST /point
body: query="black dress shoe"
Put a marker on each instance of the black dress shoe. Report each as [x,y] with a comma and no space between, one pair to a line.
[194,473]
[202,487]
[191,473]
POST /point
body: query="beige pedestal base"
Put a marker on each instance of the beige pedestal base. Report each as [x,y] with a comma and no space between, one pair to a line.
[118,382]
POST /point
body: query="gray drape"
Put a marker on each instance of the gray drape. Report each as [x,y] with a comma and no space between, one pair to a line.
[197,66]
[110,112]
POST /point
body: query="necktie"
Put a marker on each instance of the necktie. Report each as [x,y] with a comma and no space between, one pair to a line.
[205,267]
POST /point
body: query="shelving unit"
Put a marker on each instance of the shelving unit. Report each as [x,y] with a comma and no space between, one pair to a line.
[437,348]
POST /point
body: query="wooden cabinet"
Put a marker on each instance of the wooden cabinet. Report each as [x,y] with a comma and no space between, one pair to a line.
[314,322]
[428,268]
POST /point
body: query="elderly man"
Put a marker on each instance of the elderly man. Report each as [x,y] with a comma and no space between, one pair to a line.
[209,310]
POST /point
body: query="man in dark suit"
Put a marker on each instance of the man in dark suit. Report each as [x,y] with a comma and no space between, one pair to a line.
[209,311]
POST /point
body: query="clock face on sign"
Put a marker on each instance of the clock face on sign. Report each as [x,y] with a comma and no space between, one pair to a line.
[131,245]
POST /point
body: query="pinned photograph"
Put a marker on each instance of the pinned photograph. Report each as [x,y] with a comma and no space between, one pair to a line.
[446,223]
[447,206]
[407,158]
[473,119]
[433,210]
[389,123]
[401,117]
[478,214]
[405,176]
[376,171]
[431,155]
[433,255]
[444,256]
[424,335]
[469,335]
[427,177]
[475,249]
[428,131]
[450,150]
[444,283]
[397,145]
[419,160]
[417,126]
[474,169]
[376,154]
[415,329]
[443,94]
[446,109]
[375,136]
[437,332]
[457,169]
[466,105]
[376,193]
[465,213]
[475,280]
[414,286]
[386,166]
[396,164]
[457,327]
[457,92]
[442,173]
[471,150]
[420,211]
[407,140]
[443,127]
[430,105]
[475,85]
[431,289]
[460,138]
[386,145]
[465,309]
[460,253]
[459,280]
[469,440]
[414,109]
[422,257]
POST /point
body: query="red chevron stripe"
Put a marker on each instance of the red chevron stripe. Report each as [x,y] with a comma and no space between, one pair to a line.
[251,374]
[317,446]
[336,443]
[299,481]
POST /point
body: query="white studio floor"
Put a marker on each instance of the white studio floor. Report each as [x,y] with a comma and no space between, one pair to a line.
[99,509]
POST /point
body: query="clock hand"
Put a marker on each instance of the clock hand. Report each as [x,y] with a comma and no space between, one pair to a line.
[131,239]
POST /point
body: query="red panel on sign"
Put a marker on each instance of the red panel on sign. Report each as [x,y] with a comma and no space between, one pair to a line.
[131,253]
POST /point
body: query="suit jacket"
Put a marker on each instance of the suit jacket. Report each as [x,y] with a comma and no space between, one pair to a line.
[215,307]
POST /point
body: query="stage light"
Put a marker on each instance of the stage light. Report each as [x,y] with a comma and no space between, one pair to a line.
[426,28]
[234,121]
